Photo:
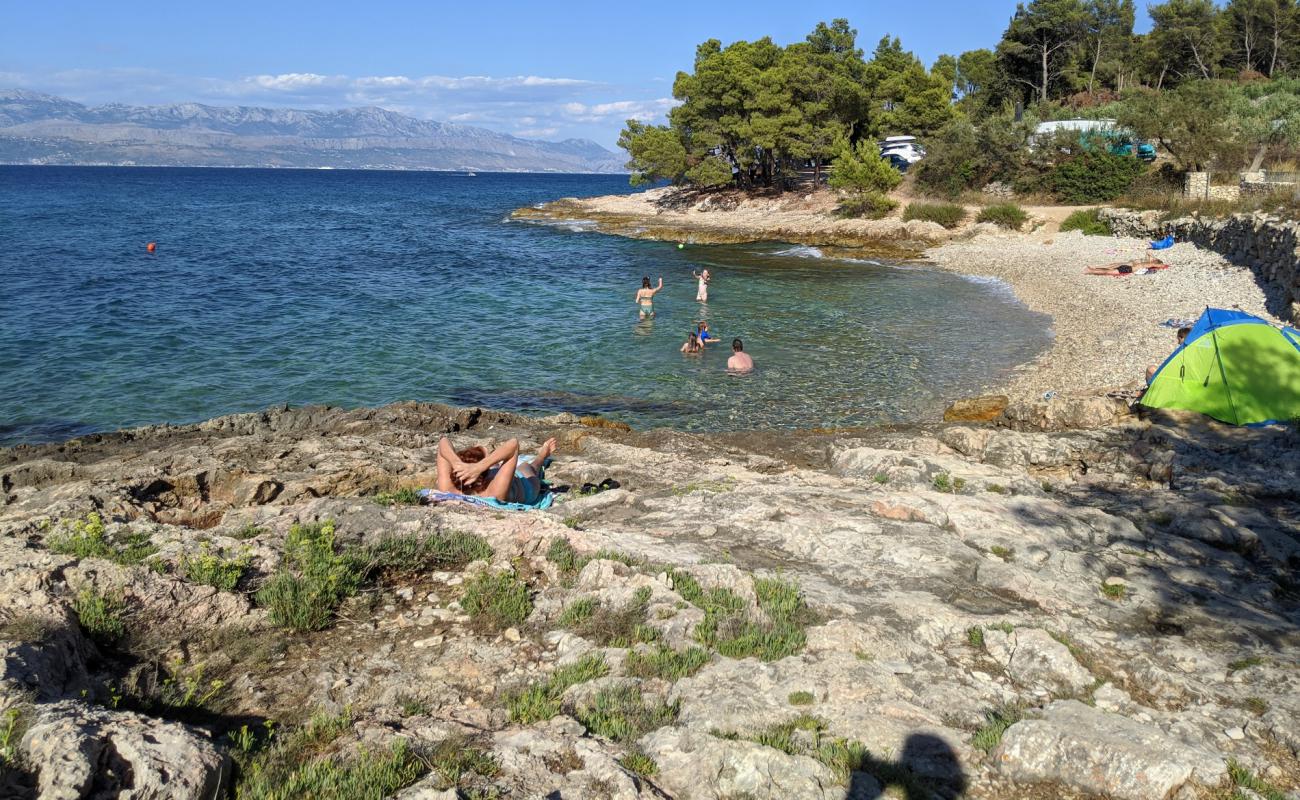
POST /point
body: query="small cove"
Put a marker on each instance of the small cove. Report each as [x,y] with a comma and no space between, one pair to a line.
[361,288]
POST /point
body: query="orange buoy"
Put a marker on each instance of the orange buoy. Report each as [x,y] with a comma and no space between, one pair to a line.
[152,246]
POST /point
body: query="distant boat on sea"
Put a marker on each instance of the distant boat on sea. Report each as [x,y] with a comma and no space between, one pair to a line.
[471,175]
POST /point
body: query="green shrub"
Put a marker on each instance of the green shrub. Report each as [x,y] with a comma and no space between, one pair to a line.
[185,687]
[975,635]
[405,496]
[622,714]
[88,538]
[1088,221]
[497,600]
[860,169]
[312,581]
[213,569]
[610,627]
[413,554]
[868,205]
[1094,176]
[541,701]
[371,774]
[100,616]
[1245,779]
[665,663]
[949,215]
[1006,215]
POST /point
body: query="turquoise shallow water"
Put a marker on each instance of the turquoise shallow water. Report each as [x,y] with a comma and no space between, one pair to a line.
[361,288]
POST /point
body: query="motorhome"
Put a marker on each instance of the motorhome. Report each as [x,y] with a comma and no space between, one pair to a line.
[1107,132]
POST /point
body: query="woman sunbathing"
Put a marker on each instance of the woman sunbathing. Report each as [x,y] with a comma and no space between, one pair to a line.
[499,474]
[1121,268]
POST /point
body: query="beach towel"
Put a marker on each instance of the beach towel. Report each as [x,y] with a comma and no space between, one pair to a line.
[1163,244]
[544,501]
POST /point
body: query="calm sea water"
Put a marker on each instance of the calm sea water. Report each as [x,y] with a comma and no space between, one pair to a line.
[361,288]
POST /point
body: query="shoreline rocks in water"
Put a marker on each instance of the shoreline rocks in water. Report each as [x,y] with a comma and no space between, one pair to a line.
[951,609]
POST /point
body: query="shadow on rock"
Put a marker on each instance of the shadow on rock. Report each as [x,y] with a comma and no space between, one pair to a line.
[927,768]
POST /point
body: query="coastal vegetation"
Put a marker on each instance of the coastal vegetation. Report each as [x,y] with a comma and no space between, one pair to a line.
[1214,88]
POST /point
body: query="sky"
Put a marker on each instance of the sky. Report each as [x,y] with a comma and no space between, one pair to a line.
[541,70]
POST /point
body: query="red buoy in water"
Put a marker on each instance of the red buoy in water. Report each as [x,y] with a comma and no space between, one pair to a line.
[152,246]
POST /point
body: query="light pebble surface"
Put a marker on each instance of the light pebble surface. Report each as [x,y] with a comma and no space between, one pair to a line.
[1107,330]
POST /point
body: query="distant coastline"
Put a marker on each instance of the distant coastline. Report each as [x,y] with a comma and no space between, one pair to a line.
[313,169]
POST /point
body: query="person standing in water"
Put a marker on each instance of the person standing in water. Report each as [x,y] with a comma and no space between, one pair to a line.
[702,294]
[645,297]
[740,360]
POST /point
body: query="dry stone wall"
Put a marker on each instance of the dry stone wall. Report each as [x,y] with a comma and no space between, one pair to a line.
[1268,245]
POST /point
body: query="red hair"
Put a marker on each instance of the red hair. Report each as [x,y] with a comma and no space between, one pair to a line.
[472,455]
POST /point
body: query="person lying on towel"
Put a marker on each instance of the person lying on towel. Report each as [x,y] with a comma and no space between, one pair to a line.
[1140,266]
[500,474]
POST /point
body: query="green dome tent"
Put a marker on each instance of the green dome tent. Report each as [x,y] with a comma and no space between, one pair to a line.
[1234,367]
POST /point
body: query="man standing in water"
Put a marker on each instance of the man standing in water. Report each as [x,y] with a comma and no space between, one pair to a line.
[740,360]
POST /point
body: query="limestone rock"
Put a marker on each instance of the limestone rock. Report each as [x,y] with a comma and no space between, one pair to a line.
[77,749]
[1033,658]
[694,765]
[1093,751]
[977,409]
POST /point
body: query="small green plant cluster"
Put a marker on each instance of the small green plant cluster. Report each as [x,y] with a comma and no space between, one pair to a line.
[497,600]
[728,628]
[406,496]
[801,698]
[622,714]
[881,478]
[943,482]
[413,554]
[88,538]
[11,733]
[1004,553]
[949,215]
[214,568]
[541,701]
[249,531]
[665,663]
[185,688]
[639,764]
[313,579]
[1114,591]
[569,562]
[1244,663]
[456,757]
[996,488]
[1243,778]
[804,735]
[1088,221]
[609,627]
[293,768]
[975,637]
[996,722]
[1005,215]
[100,616]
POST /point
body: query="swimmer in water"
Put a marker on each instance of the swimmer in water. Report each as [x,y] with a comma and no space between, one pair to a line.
[702,294]
[645,297]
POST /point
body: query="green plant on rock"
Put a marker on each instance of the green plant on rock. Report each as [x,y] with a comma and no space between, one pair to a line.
[186,688]
[975,636]
[214,569]
[313,579]
[639,764]
[415,554]
[1004,553]
[728,627]
[1114,591]
[665,663]
[249,531]
[100,615]
[541,701]
[88,538]
[1005,215]
[11,733]
[369,774]
[497,600]
[996,722]
[611,627]
[622,714]
[801,698]
[456,756]
[406,496]
[1243,778]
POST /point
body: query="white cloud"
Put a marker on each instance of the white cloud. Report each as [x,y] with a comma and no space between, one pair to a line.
[536,133]
[640,110]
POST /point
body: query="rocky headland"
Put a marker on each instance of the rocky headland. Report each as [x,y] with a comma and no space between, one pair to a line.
[1064,601]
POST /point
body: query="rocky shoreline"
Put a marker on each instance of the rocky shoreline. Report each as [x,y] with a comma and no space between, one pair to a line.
[1068,601]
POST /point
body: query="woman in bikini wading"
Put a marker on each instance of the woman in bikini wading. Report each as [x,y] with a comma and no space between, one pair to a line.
[645,297]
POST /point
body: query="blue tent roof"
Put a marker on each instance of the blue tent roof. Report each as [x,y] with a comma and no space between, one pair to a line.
[1214,318]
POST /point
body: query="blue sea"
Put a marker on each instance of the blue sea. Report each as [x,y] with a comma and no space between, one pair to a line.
[365,287]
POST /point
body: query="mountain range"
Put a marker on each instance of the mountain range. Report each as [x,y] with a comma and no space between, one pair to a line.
[39,128]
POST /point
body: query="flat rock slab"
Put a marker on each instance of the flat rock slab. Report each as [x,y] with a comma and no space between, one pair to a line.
[1101,753]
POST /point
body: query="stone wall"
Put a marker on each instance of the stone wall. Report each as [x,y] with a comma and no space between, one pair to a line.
[1268,245]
